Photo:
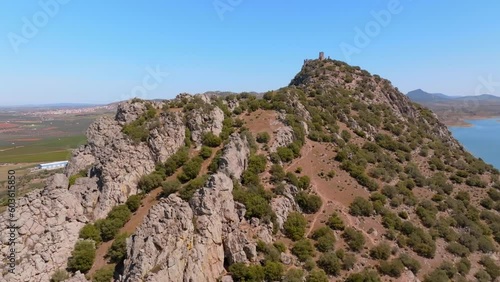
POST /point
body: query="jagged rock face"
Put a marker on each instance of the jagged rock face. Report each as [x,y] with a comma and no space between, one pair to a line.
[184,242]
[234,159]
[203,120]
[189,242]
[283,137]
[168,138]
[129,111]
[159,249]
[49,221]
[284,204]
[120,163]
[82,159]
[86,190]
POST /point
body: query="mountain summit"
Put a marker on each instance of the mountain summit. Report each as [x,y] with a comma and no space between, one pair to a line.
[336,177]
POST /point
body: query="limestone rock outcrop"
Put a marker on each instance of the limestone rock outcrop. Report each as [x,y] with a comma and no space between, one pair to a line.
[48,222]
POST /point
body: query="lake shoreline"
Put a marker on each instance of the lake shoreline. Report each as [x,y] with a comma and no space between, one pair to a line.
[462,122]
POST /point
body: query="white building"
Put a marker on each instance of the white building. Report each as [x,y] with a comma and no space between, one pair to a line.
[54,165]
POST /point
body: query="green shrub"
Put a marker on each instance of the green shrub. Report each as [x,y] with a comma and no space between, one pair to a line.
[256,201]
[205,152]
[295,226]
[104,274]
[308,203]
[457,249]
[325,239]
[335,222]
[257,163]
[285,154]
[170,187]
[381,252]
[490,267]
[361,207]
[263,137]
[304,182]
[176,161]
[89,231]
[475,181]
[133,202]
[294,275]
[348,261]
[393,268]
[317,275]
[150,182]
[482,276]
[211,140]
[108,228]
[137,130]
[273,271]
[187,192]
[354,239]
[412,264]
[82,257]
[463,266]
[437,275]
[448,268]
[303,249]
[486,245]
[277,173]
[118,250]
[240,272]
[280,246]
[190,169]
[121,213]
[59,276]
[364,276]
[330,263]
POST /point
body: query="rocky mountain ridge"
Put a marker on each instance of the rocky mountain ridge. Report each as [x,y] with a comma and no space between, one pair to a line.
[239,222]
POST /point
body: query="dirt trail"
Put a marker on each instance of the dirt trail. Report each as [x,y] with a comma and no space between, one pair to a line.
[135,220]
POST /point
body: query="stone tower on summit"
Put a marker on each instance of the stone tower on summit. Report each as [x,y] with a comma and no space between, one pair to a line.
[321,56]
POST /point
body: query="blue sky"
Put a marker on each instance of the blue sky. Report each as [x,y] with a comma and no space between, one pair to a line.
[103,51]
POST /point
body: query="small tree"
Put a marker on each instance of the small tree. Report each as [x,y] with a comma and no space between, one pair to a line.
[83,256]
[361,207]
[205,152]
[335,222]
[104,274]
[118,250]
[317,275]
[354,239]
[295,226]
[211,140]
[133,202]
[263,137]
[89,231]
[382,251]
[303,249]
[59,276]
[330,263]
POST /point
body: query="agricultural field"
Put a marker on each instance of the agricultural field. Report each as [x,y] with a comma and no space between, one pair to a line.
[28,138]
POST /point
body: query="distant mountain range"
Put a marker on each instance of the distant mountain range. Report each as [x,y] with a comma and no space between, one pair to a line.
[54,106]
[420,96]
[453,110]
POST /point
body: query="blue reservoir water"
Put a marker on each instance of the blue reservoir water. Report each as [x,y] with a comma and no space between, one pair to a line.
[482,139]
